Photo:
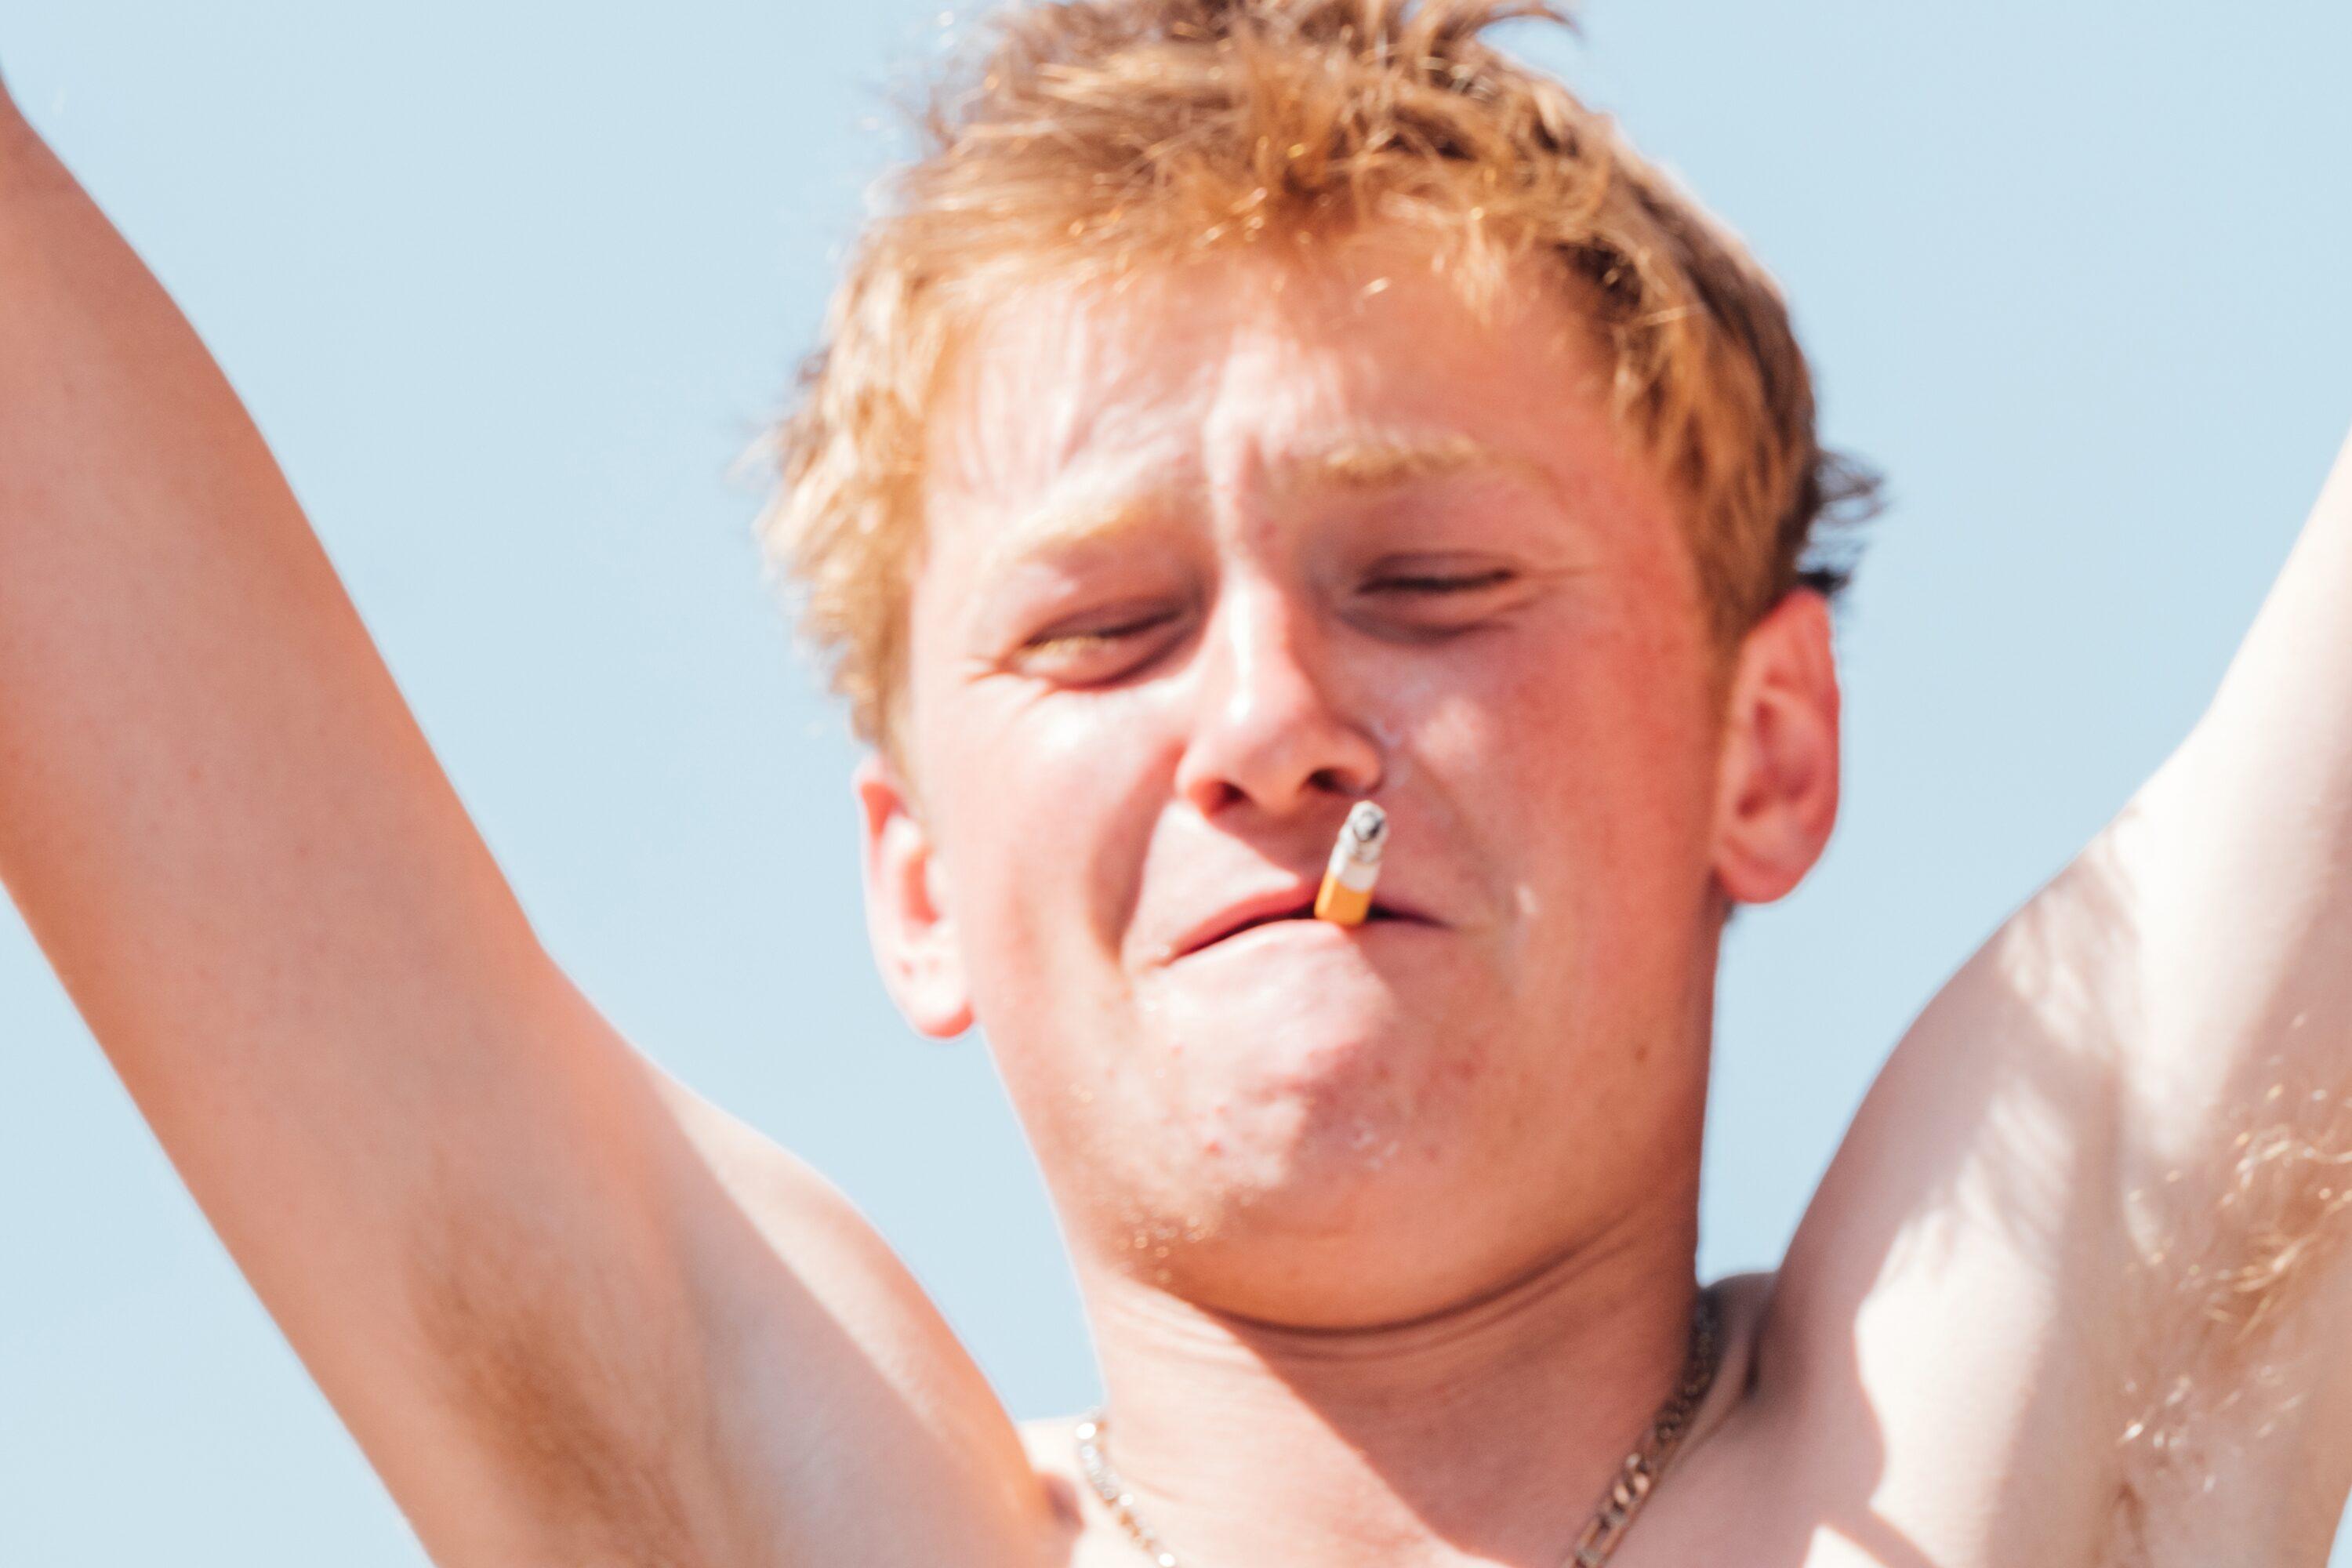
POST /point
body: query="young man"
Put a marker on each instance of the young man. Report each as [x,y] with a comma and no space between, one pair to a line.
[1247,411]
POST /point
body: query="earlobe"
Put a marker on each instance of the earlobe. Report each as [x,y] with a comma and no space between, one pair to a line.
[1779,783]
[909,914]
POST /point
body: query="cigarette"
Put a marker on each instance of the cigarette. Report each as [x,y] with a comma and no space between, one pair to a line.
[1346,896]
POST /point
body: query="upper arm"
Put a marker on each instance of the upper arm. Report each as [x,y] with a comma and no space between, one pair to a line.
[2238,857]
[1939,1343]
[566,1320]
[752,1380]
[2236,1074]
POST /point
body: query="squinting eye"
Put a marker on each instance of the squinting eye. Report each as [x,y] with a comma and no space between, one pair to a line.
[1437,595]
[1084,653]
[1090,636]
[1438,583]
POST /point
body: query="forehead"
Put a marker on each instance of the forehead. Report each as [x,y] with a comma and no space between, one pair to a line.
[1360,367]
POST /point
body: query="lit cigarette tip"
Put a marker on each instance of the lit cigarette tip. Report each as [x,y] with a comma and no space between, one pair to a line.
[1346,896]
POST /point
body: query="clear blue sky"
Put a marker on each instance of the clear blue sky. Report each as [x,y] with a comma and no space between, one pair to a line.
[509,284]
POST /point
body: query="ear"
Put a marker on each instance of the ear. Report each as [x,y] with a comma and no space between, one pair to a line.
[1777,790]
[907,918]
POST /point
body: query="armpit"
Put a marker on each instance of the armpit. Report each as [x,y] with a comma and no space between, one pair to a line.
[2233,1264]
[585,1409]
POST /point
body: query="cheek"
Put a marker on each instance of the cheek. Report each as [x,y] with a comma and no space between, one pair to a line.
[1048,806]
[1596,775]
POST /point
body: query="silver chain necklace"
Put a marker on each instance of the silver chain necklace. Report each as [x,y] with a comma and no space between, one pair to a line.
[1635,1479]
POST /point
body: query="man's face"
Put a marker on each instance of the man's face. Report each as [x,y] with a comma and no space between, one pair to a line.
[1210,559]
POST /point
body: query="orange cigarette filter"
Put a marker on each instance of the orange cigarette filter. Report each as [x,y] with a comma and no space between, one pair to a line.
[1346,896]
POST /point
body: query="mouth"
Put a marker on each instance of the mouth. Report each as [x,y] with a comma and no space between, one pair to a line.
[1275,909]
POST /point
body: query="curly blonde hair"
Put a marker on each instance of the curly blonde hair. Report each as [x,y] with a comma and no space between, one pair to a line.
[1102,135]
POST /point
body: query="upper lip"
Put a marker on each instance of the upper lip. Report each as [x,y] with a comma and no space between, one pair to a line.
[1291,900]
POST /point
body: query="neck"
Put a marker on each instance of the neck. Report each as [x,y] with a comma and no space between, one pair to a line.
[1486,1433]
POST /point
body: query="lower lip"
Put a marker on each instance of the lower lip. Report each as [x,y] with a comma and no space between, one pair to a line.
[1280,929]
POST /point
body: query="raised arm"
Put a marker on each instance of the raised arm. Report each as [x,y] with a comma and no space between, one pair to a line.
[2084,1245]
[2235,864]
[571,1314]
[2239,857]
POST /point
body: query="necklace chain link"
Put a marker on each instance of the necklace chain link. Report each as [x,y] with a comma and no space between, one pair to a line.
[1635,1481]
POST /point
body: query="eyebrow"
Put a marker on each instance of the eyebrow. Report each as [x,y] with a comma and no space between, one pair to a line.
[1085,516]
[1365,459]
[1353,460]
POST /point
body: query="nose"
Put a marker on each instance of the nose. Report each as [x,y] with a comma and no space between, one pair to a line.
[1267,728]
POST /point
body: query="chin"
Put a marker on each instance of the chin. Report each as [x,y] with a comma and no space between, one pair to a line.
[1335,1238]
[1325,1131]
[1301,1012]
[1252,1130]
[1342,1077]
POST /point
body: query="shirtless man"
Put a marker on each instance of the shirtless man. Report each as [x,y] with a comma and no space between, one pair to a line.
[1233,510]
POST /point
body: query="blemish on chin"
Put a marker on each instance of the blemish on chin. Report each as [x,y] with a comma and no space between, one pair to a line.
[1364,1141]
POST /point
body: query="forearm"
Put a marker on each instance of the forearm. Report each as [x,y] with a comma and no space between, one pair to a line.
[209,788]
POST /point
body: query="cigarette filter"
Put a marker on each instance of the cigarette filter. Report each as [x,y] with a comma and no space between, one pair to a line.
[1346,896]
